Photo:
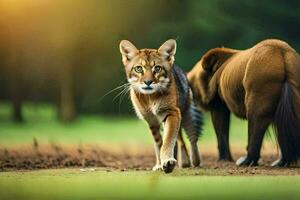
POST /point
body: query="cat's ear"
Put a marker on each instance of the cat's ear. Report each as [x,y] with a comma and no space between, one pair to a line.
[128,50]
[168,49]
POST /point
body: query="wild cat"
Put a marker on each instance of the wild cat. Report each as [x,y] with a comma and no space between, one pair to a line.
[161,96]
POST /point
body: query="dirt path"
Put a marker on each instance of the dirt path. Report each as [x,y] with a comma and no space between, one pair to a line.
[123,158]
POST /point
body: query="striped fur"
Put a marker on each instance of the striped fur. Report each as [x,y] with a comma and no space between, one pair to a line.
[192,119]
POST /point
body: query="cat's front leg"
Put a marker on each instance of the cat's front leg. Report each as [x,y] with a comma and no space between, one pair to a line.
[154,126]
[171,128]
[157,144]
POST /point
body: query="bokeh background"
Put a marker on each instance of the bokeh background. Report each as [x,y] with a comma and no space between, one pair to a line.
[65,53]
[59,66]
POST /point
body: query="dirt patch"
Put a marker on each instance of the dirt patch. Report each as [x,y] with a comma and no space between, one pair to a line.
[124,158]
[55,156]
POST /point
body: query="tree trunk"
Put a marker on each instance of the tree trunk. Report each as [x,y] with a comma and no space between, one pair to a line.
[14,70]
[67,111]
[16,100]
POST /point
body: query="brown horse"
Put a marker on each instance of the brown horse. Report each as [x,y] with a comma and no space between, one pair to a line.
[260,84]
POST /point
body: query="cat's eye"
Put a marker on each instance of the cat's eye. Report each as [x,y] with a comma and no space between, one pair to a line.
[138,69]
[157,69]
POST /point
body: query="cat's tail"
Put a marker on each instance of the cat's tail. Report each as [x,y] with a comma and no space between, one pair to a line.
[192,122]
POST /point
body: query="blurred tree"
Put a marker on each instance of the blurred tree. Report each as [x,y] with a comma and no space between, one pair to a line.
[67,51]
[13,65]
[15,87]
[67,111]
[63,38]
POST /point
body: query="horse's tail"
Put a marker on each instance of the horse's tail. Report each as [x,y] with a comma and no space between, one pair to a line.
[287,116]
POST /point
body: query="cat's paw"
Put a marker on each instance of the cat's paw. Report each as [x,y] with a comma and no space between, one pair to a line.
[168,165]
[157,167]
[184,162]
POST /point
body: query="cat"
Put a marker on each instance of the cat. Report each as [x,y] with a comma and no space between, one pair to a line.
[160,94]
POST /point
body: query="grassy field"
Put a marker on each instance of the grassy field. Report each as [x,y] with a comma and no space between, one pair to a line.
[73,184]
[41,124]
[115,184]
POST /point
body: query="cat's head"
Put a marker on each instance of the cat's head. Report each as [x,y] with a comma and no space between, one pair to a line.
[148,70]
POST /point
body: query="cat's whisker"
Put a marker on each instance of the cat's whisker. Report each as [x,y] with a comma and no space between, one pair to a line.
[122,97]
[117,95]
[113,90]
[120,93]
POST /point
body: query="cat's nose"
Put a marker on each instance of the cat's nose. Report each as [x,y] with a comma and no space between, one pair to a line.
[148,82]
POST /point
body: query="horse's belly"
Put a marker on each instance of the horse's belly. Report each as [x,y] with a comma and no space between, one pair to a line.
[233,94]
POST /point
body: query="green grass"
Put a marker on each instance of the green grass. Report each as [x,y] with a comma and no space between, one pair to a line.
[41,123]
[73,184]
